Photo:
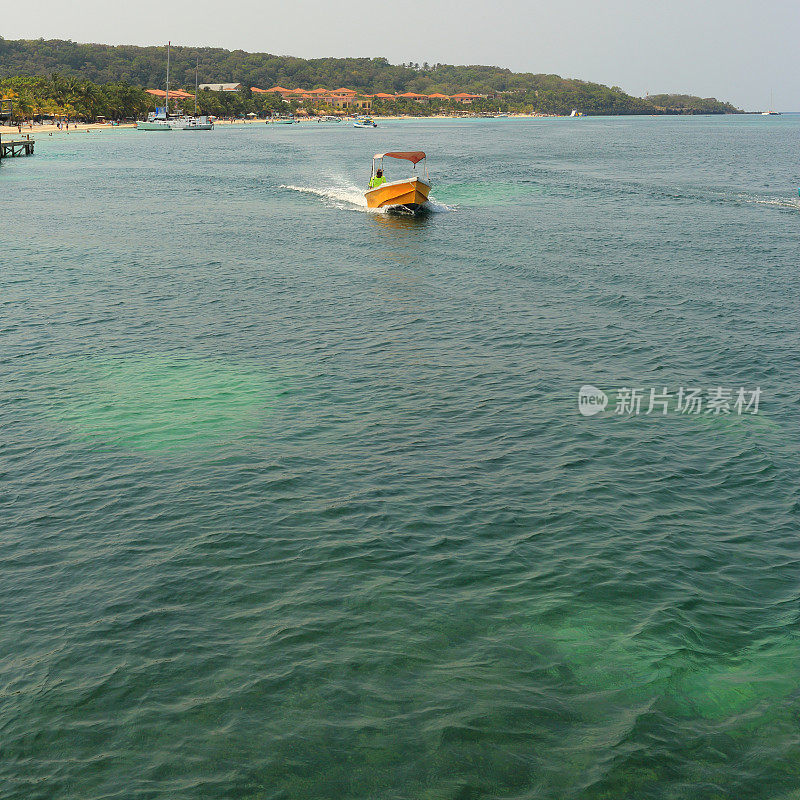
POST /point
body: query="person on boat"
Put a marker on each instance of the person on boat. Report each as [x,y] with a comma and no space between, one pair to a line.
[377,179]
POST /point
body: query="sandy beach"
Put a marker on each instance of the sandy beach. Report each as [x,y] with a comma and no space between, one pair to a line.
[86,127]
[39,130]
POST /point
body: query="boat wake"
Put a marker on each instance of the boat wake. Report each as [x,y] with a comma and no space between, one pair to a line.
[350,198]
[437,208]
[792,204]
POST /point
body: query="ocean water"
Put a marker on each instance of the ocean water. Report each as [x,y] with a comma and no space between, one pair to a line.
[297,501]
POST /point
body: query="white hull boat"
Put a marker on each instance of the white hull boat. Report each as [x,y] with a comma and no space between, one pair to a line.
[154,125]
[160,120]
[194,124]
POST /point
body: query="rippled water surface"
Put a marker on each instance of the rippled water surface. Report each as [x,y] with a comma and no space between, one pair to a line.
[297,501]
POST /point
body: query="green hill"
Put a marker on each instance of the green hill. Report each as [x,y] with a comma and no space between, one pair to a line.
[145,67]
[689,104]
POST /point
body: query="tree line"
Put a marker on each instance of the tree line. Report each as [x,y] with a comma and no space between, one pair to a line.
[70,97]
[67,96]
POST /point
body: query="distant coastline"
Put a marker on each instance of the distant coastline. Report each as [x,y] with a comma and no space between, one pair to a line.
[92,80]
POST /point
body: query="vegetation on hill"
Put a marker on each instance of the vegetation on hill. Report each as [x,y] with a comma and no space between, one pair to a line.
[689,104]
[145,67]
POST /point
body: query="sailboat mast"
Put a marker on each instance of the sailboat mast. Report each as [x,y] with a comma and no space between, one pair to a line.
[196,67]
[166,109]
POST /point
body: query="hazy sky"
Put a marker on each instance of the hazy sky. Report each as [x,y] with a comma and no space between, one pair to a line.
[737,50]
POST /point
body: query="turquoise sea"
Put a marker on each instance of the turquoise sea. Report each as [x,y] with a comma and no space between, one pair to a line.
[297,501]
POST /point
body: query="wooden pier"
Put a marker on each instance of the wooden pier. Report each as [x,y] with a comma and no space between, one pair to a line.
[10,148]
[16,147]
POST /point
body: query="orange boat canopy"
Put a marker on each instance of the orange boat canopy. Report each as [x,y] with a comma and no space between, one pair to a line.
[414,156]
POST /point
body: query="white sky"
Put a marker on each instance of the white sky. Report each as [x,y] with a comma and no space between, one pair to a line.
[737,50]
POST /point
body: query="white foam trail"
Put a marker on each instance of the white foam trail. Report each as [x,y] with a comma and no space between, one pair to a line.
[350,198]
[438,208]
[775,202]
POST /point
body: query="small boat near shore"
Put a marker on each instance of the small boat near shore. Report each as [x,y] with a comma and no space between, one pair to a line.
[364,122]
[407,194]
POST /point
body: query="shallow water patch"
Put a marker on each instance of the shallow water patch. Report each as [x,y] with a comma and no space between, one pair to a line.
[159,402]
[487,193]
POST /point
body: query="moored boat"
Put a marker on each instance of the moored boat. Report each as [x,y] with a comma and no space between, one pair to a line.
[158,120]
[201,123]
[196,122]
[154,122]
[409,194]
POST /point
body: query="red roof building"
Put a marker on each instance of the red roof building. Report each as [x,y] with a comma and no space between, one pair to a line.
[177,94]
[465,97]
[419,98]
[280,90]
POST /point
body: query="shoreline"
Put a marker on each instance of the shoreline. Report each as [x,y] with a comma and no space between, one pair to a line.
[86,127]
[78,127]
[83,127]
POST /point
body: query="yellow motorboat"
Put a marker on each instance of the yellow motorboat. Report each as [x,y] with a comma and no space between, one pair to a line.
[408,193]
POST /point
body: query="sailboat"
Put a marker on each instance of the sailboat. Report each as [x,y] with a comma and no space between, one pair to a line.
[770,113]
[158,120]
[196,123]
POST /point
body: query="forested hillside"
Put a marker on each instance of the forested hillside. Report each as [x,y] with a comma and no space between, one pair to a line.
[145,67]
[689,104]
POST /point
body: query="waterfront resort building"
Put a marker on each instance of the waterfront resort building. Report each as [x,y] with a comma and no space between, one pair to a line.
[222,87]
